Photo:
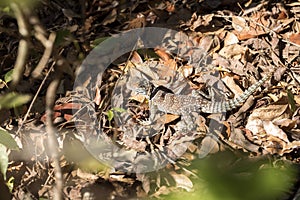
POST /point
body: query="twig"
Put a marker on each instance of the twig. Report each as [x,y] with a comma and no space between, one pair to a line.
[48,44]
[46,56]
[33,100]
[23,46]
[52,140]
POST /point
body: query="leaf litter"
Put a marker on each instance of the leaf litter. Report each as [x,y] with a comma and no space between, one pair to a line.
[243,47]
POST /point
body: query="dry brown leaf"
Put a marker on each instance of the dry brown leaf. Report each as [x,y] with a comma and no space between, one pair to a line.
[295,38]
[274,145]
[139,98]
[230,83]
[209,43]
[297,99]
[169,118]
[237,140]
[255,126]
[88,23]
[208,146]
[230,39]
[235,51]
[186,70]
[85,175]
[163,54]
[136,58]
[272,129]
[200,20]
[286,123]
[138,22]
[145,182]
[259,121]
[271,112]
[97,98]
[110,18]
[170,7]
[259,23]
[163,190]
[182,181]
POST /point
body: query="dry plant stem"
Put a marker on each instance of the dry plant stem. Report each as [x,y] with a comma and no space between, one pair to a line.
[52,140]
[23,46]
[48,44]
[46,56]
[33,100]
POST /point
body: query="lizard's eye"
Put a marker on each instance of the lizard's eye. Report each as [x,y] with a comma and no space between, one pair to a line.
[143,88]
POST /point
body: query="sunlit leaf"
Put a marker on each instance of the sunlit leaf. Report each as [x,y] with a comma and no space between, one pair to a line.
[97,41]
[12,100]
[3,160]
[110,115]
[61,35]
[28,3]
[120,110]
[10,183]
[6,9]
[291,100]
[8,76]
[7,140]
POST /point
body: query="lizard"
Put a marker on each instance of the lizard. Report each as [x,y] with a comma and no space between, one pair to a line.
[163,99]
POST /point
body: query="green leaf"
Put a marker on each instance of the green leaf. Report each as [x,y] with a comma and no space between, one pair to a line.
[97,41]
[6,9]
[10,183]
[110,115]
[27,3]
[60,36]
[7,140]
[120,110]
[291,100]
[3,160]
[12,100]
[8,76]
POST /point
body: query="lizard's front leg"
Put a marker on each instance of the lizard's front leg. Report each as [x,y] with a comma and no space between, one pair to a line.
[188,121]
[152,112]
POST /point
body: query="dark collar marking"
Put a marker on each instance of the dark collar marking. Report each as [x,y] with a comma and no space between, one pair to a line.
[160,88]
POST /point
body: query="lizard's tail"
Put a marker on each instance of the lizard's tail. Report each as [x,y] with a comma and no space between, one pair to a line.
[236,102]
[227,105]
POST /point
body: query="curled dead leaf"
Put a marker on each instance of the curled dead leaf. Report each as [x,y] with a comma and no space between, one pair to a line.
[208,145]
[274,130]
[182,181]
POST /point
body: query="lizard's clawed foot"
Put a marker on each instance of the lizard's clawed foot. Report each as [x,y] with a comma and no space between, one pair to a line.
[185,127]
[146,122]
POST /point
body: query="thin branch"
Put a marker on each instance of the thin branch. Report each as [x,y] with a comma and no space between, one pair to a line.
[46,56]
[52,140]
[33,100]
[23,46]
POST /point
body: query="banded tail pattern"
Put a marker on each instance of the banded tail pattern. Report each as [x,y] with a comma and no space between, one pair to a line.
[227,105]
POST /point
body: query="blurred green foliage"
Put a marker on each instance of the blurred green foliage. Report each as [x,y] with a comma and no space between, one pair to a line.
[229,177]
[28,3]
[13,100]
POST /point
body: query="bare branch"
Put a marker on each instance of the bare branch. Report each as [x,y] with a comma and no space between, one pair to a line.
[46,56]
[23,46]
[52,140]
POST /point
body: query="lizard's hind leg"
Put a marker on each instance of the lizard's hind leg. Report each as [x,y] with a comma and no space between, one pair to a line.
[189,124]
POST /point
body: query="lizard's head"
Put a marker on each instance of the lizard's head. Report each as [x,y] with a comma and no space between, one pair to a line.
[145,88]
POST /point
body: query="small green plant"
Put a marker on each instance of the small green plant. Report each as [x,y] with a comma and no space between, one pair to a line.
[8,101]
